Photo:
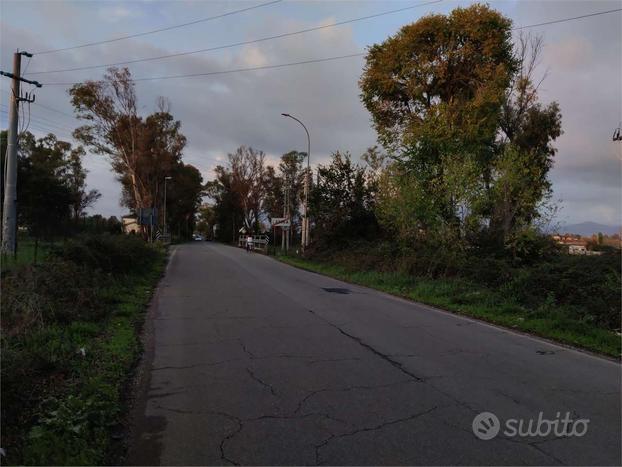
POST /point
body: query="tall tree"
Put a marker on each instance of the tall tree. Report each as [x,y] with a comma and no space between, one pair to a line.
[206,220]
[343,201]
[228,211]
[454,102]
[113,126]
[435,91]
[247,178]
[440,78]
[142,151]
[75,175]
[518,181]
[159,153]
[274,203]
[186,190]
[44,190]
[292,173]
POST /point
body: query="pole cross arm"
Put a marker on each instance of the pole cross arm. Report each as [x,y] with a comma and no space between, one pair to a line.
[12,76]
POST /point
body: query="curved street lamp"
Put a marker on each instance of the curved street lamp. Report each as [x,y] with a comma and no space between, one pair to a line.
[305,220]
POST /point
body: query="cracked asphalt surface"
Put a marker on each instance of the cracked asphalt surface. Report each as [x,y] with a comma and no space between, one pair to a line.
[253,362]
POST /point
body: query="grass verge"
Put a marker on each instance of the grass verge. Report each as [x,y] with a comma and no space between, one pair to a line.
[68,405]
[480,302]
[27,253]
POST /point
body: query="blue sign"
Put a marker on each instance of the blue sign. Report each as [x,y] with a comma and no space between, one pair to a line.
[148,216]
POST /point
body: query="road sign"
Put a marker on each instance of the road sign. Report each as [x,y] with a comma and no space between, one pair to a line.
[148,216]
[277,220]
[282,224]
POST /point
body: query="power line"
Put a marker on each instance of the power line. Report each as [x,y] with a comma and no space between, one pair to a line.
[39,126]
[566,19]
[43,129]
[238,44]
[301,62]
[48,121]
[41,121]
[51,109]
[54,110]
[154,31]
[236,70]
[4,105]
[265,67]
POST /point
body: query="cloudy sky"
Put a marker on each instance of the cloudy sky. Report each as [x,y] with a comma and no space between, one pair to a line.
[582,59]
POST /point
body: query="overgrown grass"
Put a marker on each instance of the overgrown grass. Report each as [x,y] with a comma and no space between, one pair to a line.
[64,370]
[25,254]
[465,297]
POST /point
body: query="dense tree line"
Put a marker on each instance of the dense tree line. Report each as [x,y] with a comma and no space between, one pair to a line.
[466,147]
[455,104]
[247,193]
[143,151]
[51,185]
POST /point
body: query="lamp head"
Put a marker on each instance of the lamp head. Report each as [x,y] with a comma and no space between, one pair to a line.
[286,115]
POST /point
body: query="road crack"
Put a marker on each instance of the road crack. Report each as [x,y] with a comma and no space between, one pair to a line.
[372,349]
[262,382]
[380,426]
[348,388]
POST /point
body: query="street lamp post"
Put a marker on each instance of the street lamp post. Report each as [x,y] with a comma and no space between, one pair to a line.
[164,210]
[305,220]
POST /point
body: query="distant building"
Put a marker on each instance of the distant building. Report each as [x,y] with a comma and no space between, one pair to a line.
[575,244]
[130,225]
[577,249]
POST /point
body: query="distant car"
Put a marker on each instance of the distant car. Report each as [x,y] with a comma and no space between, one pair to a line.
[198,237]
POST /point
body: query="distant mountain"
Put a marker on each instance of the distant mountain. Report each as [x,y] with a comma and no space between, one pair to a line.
[588,228]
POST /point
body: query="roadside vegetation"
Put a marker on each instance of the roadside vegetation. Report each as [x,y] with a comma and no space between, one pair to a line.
[454,207]
[69,340]
[74,293]
[574,300]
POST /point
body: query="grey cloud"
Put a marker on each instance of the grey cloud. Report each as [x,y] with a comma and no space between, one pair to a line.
[220,112]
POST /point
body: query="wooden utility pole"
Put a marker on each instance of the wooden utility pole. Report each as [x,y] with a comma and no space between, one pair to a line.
[9,208]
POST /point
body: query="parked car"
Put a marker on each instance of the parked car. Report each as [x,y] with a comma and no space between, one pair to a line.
[198,237]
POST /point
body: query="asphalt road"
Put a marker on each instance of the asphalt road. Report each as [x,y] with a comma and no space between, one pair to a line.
[250,361]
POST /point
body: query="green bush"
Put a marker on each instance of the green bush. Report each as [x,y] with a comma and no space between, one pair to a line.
[63,343]
[488,270]
[56,291]
[530,246]
[108,253]
[65,433]
[588,287]
[535,277]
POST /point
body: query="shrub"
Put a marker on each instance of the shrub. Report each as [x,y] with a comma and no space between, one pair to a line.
[56,291]
[62,434]
[530,246]
[60,338]
[108,253]
[537,277]
[488,270]
[588,287]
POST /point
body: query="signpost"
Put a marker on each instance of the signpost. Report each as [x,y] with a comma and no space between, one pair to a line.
[284,223]
[148,216]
